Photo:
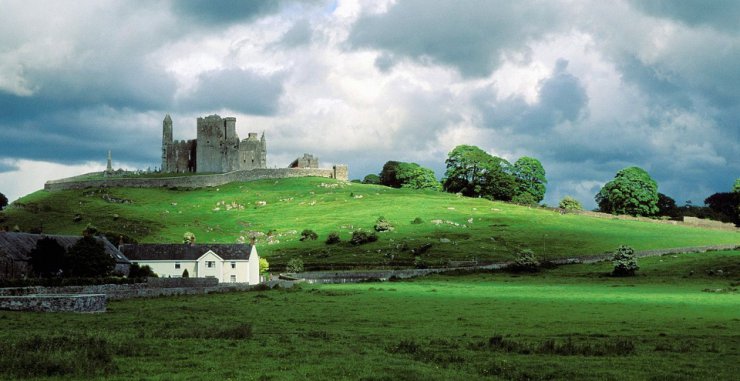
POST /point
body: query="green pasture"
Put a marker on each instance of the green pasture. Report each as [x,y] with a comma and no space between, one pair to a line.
[678,319]
[276,211]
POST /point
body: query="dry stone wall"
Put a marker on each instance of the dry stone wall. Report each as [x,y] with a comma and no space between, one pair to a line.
[54,303]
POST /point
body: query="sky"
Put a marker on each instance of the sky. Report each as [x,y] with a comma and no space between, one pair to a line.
[586,87]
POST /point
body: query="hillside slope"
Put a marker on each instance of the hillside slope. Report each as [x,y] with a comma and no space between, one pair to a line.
[276,211]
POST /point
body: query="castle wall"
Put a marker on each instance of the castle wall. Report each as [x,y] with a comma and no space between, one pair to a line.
[218,145]
[199,181]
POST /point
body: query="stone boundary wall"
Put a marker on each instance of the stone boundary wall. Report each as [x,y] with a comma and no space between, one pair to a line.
[195,181]
[54,303]
[154,287]
[688,221]
[359,276]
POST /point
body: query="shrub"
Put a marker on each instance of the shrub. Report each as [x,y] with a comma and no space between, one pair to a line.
[188,237]
[624,261]
[308,234]
[526,199]
[383,225]
[333,238]
[525,261]
[360,237]
[264,266]
[47,258]
[295,265]
[185,273]
[570,203]
[136,271]
[417,221]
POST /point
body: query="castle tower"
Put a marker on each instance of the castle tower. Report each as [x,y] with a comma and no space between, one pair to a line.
[263,155]
[109,167]
[166,143]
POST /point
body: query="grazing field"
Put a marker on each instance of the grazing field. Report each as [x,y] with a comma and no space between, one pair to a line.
[679,319]
[447,228]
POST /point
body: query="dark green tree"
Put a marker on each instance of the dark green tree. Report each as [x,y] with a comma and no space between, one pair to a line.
[631,192]
[725,205]
[87,258]
[667,206]
[3,201]
[530,178]
[735,187]
[47,258]
[398,174]
[371,179]
[474,173]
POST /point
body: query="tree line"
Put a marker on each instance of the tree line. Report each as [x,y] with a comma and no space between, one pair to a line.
[472,172]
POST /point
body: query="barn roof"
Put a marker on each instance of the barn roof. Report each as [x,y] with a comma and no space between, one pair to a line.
[19,245]
[183,251]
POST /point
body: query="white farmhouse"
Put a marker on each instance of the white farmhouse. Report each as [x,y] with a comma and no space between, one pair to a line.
[238,263]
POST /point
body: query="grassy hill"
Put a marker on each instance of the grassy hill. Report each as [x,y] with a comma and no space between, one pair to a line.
[276,211]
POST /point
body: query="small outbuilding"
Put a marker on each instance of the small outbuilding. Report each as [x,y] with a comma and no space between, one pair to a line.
[237,263]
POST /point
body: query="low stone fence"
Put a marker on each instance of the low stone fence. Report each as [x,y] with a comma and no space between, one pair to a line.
[687,221]
[196,181]
[54,303]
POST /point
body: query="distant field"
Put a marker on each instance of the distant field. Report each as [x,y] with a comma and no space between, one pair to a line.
[276,211]
[677,320]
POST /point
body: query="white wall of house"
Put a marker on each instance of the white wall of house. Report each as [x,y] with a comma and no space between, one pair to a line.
[210,265]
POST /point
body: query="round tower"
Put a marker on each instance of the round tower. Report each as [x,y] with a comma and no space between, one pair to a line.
[166,143]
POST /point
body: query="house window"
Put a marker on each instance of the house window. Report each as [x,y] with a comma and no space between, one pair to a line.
[233,265]
[233,279]
[177,265]
[210,264]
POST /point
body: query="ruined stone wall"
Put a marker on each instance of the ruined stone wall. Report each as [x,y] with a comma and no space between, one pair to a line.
[54,303]
[200,181]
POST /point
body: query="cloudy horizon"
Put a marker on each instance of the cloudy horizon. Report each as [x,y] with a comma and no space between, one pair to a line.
[588,88]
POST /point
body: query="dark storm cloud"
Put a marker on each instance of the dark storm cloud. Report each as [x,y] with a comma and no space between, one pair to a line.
[216,13]
[561,98]
[719,14]
[238,90]
[469,35]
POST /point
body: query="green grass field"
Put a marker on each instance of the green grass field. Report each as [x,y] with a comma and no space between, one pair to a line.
[278,210]
[677,320]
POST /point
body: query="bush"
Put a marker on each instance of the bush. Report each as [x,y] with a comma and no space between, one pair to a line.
[570,203]
[525,261]
[185,273]
[360,237]
[525,199]
[624,261]
[295,265]
[383,225]
[136,271]
[308,234]
[417,221]
[333,238]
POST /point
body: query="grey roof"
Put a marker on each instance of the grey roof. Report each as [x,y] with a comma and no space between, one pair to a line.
[19,245]
[183,251]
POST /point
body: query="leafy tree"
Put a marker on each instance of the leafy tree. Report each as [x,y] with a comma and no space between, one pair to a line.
[188,237]
[530,178]
[371,179]
[474,173]
[667,206]
[525,261]
[735,188]
[631,192]
[388,175]
[398,174]
[264,266]
[624,261]
[295,265]
[3,201]
[726,205]
[525,199]
[47,258]
[570,203]
[87,258]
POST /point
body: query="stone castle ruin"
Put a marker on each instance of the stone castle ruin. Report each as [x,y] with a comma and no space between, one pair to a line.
[216,149]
